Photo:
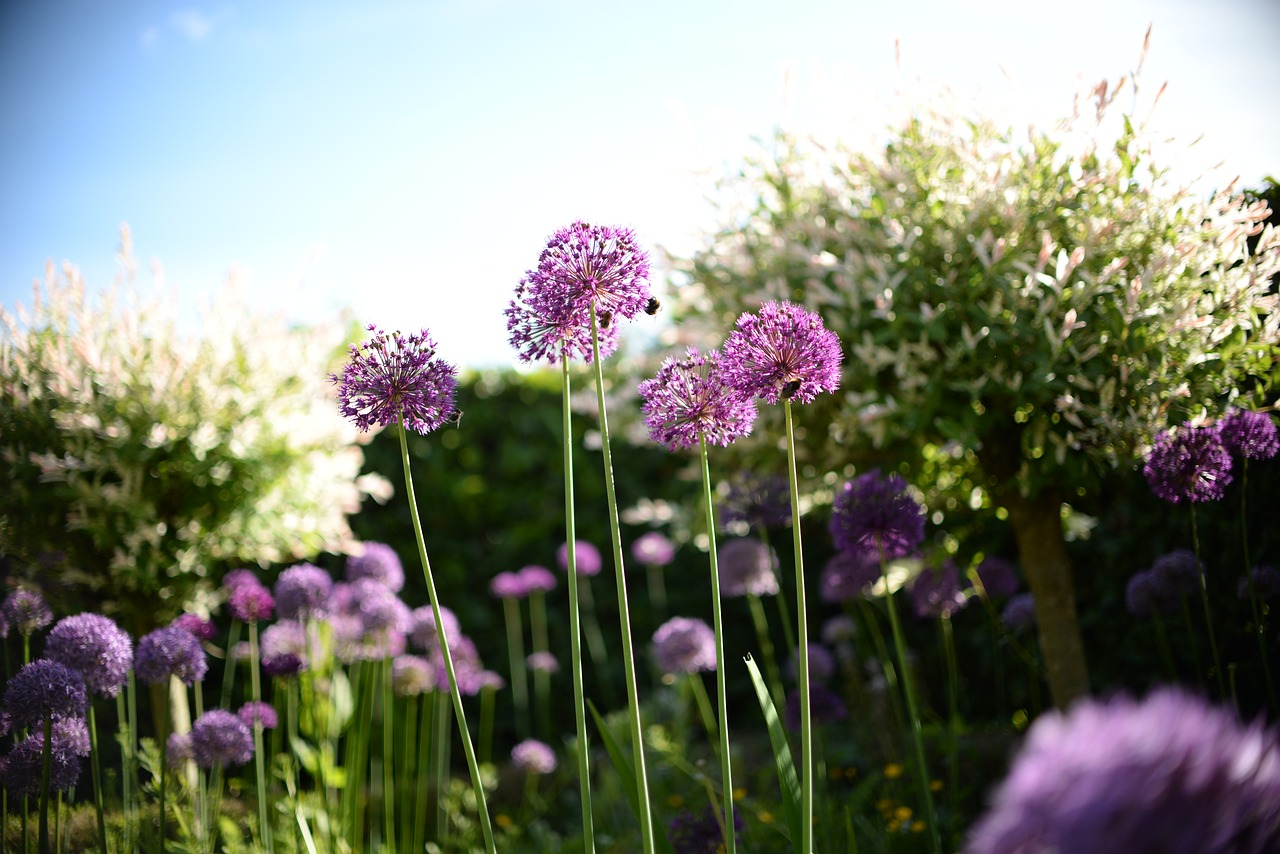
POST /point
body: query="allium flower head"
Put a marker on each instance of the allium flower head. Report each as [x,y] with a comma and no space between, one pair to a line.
[379,562]
[586,557]
[689,399]
[508,585]
[1019,614]
[747,567]
[238,577]
[847,575]
[256,711]
[1170,774]
[203,629]
[758,501]
[412,675]
[1189,464]
[24,611]
[283,666]
[467,665]
[171,651]
[1248,434]
[684,645]
[542,330]
[538,578]
[1177,573]
[43,689]
[542,661]
[822,664]
[596,265]
[875,514]
[998,577]
[218,737]
[936,593]
[251,603]
[283,637]
[1266,583]
[24,765]
[533,757]
[396,379]
[782,351]
[378,607]
[95,647]
[178,749]
[303,591]
[653,549]
[424,634]
[1141,596]
[825,707]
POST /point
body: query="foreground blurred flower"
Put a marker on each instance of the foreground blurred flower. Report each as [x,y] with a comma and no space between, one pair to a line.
[538,578]
[684,645]
[394,379]
[689,400]
[782,352]
[171,651]
[543,662]
[876,514]
[1170,774]
[1189,464]
[24,611]
[96,648]
[507,585]
[1248,434]
[218,737]
[251,603]
[533,757]
[412,675]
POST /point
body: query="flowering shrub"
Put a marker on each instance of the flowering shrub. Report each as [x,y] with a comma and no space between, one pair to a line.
[140,456]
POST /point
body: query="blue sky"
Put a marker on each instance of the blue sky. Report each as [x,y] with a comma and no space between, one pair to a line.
[405,161]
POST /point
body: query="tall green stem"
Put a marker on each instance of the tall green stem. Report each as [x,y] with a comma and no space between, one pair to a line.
[259,761]
[624,614]
[388,759]
[802,647]
[476,783]
[726,775]
[1208,615]
[541,678]
[95,765]
[575,622]
[519,670]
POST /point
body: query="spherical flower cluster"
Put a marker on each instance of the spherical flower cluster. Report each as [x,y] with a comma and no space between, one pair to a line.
[822,664]
[22,768]
[396,379]
[538,579]
[1161,587]
[508,585]
[412,675]
[782,352]
[283,637]
[747,567]
[96,648]
[1265,582]
[170,651]
[218,737]
[251,603]
[43,689]
[1019,614]
[542,661]
[936,593]
[379,608]
[757,501]
[1170,774]
[847,575]
[825,707]
[689,401]
[1189,464]
[684,645]
[998,577]
[533,757]
[24,611]
[378,562]
[1248,434]
[653,549]
[423,633]
[203,629]
[587,559]
[178,749]
[258,712]
[303,591]
[700,833]
[238,577]
[283,666]
[467,665]
[542,331]
[876,514]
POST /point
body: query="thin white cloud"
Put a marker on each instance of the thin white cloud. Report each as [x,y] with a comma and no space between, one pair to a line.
[192,23]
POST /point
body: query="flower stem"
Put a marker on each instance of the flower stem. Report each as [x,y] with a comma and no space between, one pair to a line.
[476,783]
[802,647]
[726,775]
[95,765]
[541,678]
[259,761]
[519,671]
[388,759]
[575,622]
[766,648]
[1208,616]
[624,615]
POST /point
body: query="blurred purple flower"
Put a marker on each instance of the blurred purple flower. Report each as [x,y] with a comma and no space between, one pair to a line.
[538,578]
[251,603]
[998,577]
[542,661]
[256,711]
[283,637]
[283,666]
[684,645]
[1170,774]
[467,665]
[394,379]
[822,664]
[586,556]
[1177,573]
[825,707]
[302,591]
[747,567]
[379,562]
[218,737]
[689,400]
[757,500]
[1248,434]
[96,648]
[936,593]
[24,765]
[839,629]
[379,608]
[24,610]
[782,351]
[847,575]
[700,833]
[412,675]
[874,514]
[423,634]
[1266,583]
[508,585]
[237,577]
[178,749]
[1019,614]
[170,651]
[653,549]
[203,629]
[43,689]
[1188,464]
[533,757]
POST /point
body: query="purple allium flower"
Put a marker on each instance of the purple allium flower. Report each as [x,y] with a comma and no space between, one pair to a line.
[1170,774]
[258,712]
[171,651]
[1266,583]
[26,611]
[178,749]
[378,607]
[283,666]
[875,513]
[936,593]
[43,689]
[396,379]
[684,645]
[1019,614]
[251,603]
[747,567]
[542,661]
[542,331]
[589,265]
[412,675]
[302,591]
[689,400]
[847,575]
[1142,596]
[24,765]
[998,577]
[822,664]
[825,707]
[782,351]
[424,634]
[1188,464]
[1176,573]
[508,585]
[237,577]
[218,737]
[284,637]
[95,647]
[758,501]
[1248,434]
[203,629]
[491,680]
[539,578]
[533,757]
[467,665]
[587,559]
[378,562]
[700,833]
[653,549]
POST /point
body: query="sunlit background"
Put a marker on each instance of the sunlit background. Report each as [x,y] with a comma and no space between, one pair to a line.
[405,161]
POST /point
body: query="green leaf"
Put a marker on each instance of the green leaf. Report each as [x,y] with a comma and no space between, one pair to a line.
[788,779]
[626,773]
